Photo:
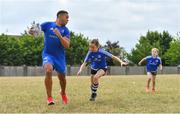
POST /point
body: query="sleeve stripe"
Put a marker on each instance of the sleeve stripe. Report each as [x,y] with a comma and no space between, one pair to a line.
[87,56]
[106,53]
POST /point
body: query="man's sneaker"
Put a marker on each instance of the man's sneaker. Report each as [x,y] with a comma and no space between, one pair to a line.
[64,98]
[50,101]
[93,97]
[147,89]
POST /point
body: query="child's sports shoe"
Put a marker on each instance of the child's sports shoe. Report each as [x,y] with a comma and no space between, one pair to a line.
[93,97]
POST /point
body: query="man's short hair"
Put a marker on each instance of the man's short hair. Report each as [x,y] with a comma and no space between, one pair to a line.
[61,12]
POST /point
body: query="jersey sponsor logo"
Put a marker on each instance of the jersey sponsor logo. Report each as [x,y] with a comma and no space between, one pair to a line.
[153,62]
[53,36]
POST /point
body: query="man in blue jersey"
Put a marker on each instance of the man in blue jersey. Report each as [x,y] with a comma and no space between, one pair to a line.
[152,64]
[56,39]
[97,58]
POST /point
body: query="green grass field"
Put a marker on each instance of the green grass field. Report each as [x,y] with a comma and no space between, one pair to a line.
[115,94]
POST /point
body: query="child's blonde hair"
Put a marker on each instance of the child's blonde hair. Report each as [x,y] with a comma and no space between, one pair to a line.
[155,49]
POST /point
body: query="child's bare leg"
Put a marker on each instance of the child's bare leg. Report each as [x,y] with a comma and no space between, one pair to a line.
[153,82]
[148,81]
[92,76]
[95,83]
[95,79]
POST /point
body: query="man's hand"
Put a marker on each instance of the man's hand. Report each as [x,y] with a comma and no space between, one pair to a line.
[65,41]
[58,34]
[139,63]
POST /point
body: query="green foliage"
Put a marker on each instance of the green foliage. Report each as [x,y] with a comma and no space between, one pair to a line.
[78,49]
[26,50]
[32,48]
[115,49]
[172,55]
[146,43]
[9,51]
[23,50]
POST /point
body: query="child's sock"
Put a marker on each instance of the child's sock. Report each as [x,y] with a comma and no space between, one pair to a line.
[94,88]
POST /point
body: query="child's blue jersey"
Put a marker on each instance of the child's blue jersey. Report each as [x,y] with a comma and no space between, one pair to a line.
[152,63]
[54,51]
[97,59]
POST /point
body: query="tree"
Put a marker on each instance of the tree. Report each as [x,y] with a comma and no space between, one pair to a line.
[10,53]
[146,43]
[115,49]
[78,49]
[172,56]
[22,50]
[141,50]
[31,49]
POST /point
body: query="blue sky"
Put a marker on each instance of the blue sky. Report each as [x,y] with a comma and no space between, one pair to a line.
[115,20]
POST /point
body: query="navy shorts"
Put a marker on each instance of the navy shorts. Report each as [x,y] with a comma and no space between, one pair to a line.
[154,73]
[93,72]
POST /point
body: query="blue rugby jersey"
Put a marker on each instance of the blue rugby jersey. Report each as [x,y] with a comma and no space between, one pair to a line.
[152,63]
[97,59]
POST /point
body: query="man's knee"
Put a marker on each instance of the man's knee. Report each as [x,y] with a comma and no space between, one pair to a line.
[48,69]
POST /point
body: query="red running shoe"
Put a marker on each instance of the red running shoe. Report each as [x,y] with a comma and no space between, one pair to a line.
[64,98]
[50,101]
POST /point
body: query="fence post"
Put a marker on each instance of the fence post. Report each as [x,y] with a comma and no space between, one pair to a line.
[127,70]
[68,70]
[1,70]
[178,68]
[25,70]
[108,70]
[88,70]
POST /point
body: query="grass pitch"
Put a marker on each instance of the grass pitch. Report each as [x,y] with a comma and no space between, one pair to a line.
[115,94]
